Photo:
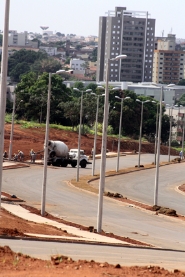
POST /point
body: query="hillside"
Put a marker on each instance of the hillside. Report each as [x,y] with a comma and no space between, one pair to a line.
[33,138]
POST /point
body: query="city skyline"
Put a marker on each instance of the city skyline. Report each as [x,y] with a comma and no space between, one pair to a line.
[82,17]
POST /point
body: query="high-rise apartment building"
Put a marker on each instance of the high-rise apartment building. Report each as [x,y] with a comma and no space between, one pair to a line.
[169,63]
[126,32]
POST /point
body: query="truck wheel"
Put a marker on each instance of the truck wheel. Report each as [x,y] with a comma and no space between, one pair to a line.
[73,164]
[64,164]
[83,164]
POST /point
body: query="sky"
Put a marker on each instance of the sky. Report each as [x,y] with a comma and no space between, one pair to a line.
[81,17]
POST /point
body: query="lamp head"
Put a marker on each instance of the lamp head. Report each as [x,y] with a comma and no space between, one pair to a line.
[116,88]
[76,89]
[100,87]
[138,100]
[120,57]
[60,71]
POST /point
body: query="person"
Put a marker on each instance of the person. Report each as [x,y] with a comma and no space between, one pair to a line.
[92,151]
[181,155]
[15,157]
[5,155]
[20,155]
[33,156]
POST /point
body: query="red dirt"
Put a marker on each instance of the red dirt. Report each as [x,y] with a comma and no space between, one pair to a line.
[33,138]
[15,264]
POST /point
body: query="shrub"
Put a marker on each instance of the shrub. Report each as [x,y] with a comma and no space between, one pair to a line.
[174,143]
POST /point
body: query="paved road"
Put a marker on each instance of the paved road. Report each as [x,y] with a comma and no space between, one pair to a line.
[81,207]
[140,186]
[113,255]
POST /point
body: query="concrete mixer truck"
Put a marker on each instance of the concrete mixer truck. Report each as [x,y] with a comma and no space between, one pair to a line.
[59,155]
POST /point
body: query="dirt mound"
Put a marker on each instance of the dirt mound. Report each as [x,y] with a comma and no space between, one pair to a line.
[26,139]
[17,264]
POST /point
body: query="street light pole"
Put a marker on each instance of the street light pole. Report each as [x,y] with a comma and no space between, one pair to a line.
[120,125]
[156,131]
[104,146]
[158,151]
[169,141]
[3,86]
[43,196]
[12,127]
[79,131]
[43,199]
[141,126]
[95,136]
[183,135]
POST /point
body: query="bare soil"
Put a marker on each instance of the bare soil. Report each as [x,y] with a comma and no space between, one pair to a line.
[33,138]
[16,264]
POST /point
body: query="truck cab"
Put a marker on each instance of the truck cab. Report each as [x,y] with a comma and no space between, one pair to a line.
[73,154]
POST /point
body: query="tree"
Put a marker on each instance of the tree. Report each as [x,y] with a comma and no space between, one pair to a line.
[1,40]
[181,100]
[92,86]
[59,34]
[78,46]
[34,96]
[132,115]
[18,70]
[20,62]
[181,82]
[94,54]
[45,65]
[71,111]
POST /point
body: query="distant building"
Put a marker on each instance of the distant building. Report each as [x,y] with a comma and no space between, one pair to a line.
[16,39]
[126,32]
[78,66]
[168,63]
[51,51]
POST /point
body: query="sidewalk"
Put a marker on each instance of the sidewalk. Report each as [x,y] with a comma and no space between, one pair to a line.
[79,235]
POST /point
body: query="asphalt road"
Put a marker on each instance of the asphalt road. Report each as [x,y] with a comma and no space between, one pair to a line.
[81,207]
[123,255]
[140,186]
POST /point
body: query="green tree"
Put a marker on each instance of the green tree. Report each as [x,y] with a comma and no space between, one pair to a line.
[18,70]
[181,82]
[34,96]
[19,59]
[181,100]
[71,111]
[45,65]
[92,86]
[94,54]
[1,40]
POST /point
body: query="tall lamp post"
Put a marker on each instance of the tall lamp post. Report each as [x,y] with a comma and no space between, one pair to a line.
[4,66]
[79,132]
[104,145]
[183,135]
[158,151]
[156,131]
[141,126]
[158,147]
[169,140]
[120,125]
[95,133]
[43,196]
[12,127]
